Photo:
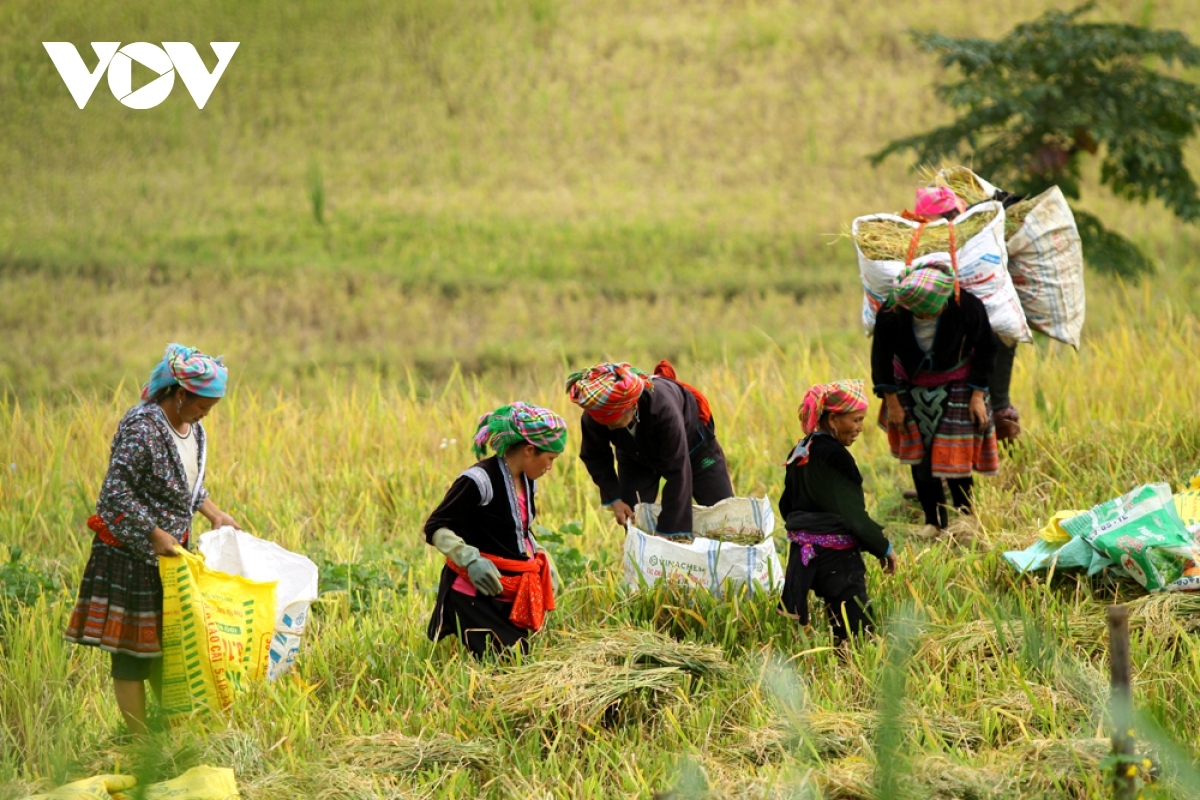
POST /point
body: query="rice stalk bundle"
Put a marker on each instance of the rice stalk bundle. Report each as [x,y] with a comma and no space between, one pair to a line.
[842,733]
[959,180]
[888,240]
[1014,215]
[587,675]
[395,752]
[735,535]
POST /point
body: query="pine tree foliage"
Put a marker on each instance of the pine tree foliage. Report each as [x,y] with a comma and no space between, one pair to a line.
[1032,104]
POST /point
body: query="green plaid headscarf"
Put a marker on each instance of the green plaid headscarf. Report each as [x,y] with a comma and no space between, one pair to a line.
[520,423]
[924,290]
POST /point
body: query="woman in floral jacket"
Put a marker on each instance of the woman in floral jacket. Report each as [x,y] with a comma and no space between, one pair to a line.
[154,487]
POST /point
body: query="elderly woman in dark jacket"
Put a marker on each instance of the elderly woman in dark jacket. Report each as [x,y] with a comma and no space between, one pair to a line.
[826,515]
[154,487]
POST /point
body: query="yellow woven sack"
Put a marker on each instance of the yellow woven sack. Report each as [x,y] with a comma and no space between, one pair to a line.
[198,783]
[97,788]
[216,634]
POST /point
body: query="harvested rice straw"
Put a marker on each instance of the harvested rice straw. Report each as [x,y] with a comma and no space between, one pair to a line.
[958,179]
[395,752]
[1014,215]
[579,679]
[735,535]
[1157,616]
[888,240]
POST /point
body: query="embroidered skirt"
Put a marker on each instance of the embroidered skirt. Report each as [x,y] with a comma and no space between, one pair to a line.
[938,431]
[120,602]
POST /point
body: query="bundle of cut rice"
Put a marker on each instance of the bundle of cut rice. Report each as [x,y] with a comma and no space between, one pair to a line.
[395,752]
[586,676]
[889,240]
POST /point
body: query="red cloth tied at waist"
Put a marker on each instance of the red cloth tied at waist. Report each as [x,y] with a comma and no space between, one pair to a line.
[532,591]
[100,528]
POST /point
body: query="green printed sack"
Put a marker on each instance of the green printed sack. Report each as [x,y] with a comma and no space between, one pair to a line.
[1143,533]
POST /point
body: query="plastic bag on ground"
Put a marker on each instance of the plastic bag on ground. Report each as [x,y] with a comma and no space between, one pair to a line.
[295,576]
[1143,533]
[982,271]
[1045,259]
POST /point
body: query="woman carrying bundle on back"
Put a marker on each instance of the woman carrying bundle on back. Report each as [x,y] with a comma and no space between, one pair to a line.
[496,585]
[931,356]
[154,487]
[826,515]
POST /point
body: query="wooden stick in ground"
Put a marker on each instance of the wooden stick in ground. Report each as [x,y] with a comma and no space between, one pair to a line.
[1121,702]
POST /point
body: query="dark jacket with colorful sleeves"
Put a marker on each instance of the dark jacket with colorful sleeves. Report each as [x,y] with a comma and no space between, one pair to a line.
[146,486]
[481,507]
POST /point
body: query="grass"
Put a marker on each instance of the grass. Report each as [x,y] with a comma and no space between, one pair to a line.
[393,217]
[1003,694]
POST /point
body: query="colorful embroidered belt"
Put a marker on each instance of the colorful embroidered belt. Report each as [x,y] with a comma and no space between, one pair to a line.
[931,379]
[532,590]
[808,541]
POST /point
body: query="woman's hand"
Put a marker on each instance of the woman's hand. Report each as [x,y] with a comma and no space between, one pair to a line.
[888,564]
[895,411]
[164,544]
[622,512]
[221,519]
[979,411]
[216,516]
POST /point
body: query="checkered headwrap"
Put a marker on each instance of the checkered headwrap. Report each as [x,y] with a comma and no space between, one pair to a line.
[520,423]
[838,397]
[924,290]
[606,391]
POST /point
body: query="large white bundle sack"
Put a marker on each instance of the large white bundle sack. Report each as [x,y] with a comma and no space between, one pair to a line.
[1045,260]
[750,517]
[982,271]
[239,553]
[706,563]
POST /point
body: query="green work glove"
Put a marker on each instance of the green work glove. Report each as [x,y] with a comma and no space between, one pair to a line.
[483,573]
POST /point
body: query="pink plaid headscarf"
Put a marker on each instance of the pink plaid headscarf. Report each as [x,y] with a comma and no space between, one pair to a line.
[838,397]
[937,200]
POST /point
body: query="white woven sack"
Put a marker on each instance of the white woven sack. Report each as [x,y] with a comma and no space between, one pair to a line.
[704,563]
[982,270]
[1045,260]
[731,515]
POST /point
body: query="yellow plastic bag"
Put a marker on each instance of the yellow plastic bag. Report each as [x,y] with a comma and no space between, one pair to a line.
[216,634]
[198,783]
[1187,503]
[97,788]
[1053,531]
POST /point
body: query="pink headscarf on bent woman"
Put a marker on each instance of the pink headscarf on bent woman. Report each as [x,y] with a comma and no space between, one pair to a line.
[838,397]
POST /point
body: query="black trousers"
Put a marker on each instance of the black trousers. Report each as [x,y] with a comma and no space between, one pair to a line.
[839,577]
[933,496]
[134,668]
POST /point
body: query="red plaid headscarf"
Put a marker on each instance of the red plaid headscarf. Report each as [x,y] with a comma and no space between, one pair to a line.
[606,391]
[838,397]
